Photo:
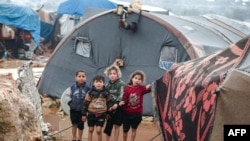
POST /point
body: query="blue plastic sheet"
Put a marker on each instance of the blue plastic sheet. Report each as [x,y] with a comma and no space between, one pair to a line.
[77,7]
[21,17]
[46,31]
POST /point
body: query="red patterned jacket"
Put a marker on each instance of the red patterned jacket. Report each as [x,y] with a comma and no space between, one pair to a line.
[133,97]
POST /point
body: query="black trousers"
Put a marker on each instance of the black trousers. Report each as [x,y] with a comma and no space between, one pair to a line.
[114,118]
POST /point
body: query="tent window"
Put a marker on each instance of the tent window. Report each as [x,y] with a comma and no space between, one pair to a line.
[82,46]
[168,57]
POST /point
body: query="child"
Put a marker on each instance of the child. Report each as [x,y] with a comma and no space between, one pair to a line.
[96,103]
[75,97]
[115,87]
[132,103]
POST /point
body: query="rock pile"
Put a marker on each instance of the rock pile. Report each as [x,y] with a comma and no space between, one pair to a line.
[18,115]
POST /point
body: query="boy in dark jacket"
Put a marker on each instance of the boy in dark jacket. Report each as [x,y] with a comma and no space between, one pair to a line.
[75,95]
[96,103]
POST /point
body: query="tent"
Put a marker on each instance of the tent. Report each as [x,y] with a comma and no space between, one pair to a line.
[48,24]
[139,4]
[77,7]
[195,99]
[159,41]
[71,12]
[21,17]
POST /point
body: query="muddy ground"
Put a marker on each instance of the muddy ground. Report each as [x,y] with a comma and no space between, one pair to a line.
[147,131]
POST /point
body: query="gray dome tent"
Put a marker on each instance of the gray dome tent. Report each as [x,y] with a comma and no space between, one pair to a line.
[159,41]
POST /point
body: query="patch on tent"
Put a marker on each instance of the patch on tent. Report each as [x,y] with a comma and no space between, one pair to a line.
[186,94]
[118,62]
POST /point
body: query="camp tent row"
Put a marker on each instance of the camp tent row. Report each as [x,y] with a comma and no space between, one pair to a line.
[195,99]
[159,41]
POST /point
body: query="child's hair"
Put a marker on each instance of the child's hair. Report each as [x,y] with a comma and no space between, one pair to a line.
[113,67]
[137,72]
[78,71]
[99,78]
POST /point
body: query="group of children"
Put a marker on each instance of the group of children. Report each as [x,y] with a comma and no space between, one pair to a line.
[114,102]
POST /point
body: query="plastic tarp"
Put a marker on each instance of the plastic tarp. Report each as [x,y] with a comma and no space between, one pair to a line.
[46,31]
[21,17]
[77,7]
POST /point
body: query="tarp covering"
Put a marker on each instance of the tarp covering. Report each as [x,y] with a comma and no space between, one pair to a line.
[48,24]
[77,7]
[21,17]
[187,94]
[46,31]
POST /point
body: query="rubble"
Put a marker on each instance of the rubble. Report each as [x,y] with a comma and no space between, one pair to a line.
[21,116]
[18,116]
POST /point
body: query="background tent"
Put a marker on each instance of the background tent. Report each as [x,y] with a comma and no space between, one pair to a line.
[47,23]
[70,12]
[195,95]
[159,42]
[77,7]
[50,28]
[21,17]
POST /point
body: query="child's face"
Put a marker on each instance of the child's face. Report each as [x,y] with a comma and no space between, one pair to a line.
[113,75]
[81,78]
[98,84]
[137,80]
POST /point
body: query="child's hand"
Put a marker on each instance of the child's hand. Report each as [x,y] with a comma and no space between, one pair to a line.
[148,86]
[114,106]
[110,109]
[84,118]
[121,103]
